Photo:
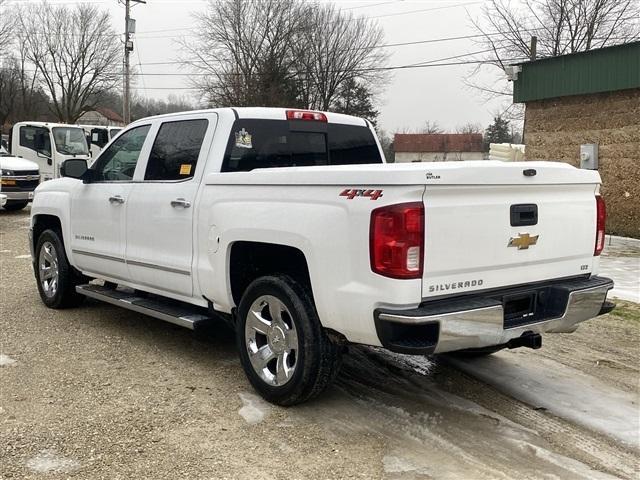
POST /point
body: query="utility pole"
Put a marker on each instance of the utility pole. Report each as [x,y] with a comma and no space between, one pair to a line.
[128,48]
[533,48]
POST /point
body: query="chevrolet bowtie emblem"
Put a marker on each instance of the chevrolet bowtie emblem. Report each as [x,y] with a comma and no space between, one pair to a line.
[523,241]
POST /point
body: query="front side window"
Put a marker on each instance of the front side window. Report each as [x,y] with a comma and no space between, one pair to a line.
[118,162]
[36,138]
[70,141]
[176,149]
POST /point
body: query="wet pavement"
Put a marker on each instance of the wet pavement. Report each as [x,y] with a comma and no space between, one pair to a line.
[620,261]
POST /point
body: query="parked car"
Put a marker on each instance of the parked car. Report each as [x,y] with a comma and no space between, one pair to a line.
[288,225]
[48,145]
[18,179]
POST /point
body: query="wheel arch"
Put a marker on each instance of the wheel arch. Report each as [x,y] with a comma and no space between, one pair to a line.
[42,222]
[249,260]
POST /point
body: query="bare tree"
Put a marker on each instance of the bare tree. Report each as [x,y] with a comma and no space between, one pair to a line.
[7,23]
[243,53]
[430,127]
[281,52]
[76,53]
[336,49]
[470,127]
[561,27]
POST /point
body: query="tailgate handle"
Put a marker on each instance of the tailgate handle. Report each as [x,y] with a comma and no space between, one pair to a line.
[524,214]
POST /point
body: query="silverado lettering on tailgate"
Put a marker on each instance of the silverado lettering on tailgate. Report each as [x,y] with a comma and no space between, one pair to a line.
[455,285]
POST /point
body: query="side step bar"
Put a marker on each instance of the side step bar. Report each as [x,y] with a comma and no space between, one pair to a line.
[171,311]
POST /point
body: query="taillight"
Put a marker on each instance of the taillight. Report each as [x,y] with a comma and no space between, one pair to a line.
[306,115]
[601,219]
[396,240]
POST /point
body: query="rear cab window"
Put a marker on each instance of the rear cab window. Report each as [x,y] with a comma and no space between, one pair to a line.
[257,143]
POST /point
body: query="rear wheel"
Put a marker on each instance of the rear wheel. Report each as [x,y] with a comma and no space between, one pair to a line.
[286,354]
[13,205]
[56,278]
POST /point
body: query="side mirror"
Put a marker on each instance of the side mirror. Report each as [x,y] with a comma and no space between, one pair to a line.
[74,168]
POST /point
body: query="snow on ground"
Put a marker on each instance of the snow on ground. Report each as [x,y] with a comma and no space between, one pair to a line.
[6,361]
[253,409]
[23,256]
[48,461]
[621,262]
[561,390]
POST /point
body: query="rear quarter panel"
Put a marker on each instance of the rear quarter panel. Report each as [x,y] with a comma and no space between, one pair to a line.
[330,230]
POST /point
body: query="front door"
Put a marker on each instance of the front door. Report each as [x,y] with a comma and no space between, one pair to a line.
[161,208]
[98,209]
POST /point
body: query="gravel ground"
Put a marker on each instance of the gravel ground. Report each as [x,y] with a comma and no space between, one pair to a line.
[103,393]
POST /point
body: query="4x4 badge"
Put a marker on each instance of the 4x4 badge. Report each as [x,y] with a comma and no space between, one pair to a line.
[523,241]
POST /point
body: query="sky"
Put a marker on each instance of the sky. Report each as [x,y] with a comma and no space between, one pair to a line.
[411,96]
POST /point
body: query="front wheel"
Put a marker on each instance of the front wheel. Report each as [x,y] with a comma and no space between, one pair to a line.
[57,279]
[286,354]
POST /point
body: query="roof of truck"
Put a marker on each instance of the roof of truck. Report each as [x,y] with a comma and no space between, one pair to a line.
[46,124]
[267,113]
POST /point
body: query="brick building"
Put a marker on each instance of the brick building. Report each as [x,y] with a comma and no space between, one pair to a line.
[437,147]
[583,98]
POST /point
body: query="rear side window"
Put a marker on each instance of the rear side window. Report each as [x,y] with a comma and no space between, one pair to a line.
[176,149]
[281,143]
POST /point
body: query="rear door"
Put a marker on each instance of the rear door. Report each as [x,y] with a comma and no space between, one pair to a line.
[160,213]
[480,237]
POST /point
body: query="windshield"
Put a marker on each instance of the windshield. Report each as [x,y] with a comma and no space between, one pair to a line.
[3,152]
[70,141]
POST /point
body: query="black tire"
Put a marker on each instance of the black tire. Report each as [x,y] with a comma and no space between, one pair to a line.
[478,352]
[15,205]
[65,295]
[317,358]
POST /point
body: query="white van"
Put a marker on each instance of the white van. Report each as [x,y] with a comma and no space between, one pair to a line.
[98,136]
[48,145]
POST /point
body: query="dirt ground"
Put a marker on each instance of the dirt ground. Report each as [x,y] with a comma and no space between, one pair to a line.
[103,393]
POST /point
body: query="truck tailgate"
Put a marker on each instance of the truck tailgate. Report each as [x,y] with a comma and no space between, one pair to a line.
[479,237]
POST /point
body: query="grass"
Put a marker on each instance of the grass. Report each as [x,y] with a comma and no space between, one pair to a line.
[626,310]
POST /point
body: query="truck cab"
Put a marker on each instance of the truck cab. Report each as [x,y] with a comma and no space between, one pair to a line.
[48,145]
[98,136]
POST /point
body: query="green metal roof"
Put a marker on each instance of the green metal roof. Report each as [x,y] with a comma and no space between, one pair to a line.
[602,70]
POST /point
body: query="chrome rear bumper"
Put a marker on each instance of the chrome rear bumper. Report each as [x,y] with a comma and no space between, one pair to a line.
[480,320]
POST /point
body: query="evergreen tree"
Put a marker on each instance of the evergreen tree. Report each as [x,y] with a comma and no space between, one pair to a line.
[498,132]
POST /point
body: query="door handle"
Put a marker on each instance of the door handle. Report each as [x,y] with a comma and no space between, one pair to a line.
[180,202]
[116,199]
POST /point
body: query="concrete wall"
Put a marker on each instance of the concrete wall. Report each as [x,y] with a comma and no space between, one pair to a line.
[554,130]
[405,157]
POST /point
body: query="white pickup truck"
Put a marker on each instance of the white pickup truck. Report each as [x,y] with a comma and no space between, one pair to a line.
[289,225]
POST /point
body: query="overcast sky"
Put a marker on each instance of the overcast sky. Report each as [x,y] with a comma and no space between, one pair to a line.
[411,97]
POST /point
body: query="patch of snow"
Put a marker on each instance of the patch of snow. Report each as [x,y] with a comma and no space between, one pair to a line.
[5,251]
[6,361]
[48,461]
[253,409]
[569,464]
[393,464]
[23,256]
[419,364]
[563,391]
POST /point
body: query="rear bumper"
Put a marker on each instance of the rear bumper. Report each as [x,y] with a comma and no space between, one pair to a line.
[493,318]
